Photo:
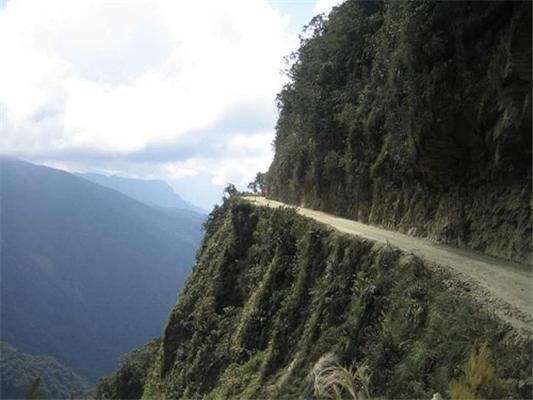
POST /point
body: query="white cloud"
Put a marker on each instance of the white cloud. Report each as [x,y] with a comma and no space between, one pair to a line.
[116,76]
[325,6]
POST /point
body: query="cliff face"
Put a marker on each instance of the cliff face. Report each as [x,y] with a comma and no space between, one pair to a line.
[415,116]
[278,306]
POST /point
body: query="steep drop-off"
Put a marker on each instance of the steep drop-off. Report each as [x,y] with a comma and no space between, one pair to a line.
[415,116]
[276,303]
[86,273]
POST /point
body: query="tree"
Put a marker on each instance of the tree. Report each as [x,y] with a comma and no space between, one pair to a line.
[258,184]
[34,392]
[252,186]
[230,190]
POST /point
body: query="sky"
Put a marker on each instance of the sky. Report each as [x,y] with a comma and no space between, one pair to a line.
[155,89]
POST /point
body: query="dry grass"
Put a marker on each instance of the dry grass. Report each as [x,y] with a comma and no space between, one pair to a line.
[337,382]
[479,380]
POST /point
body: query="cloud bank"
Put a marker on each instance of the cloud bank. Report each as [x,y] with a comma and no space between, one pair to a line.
[148,88]
[173,87]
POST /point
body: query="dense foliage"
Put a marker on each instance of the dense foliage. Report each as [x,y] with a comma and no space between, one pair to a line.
[21,372]
[415,115]
[128,381]
[276,302]
[87,273]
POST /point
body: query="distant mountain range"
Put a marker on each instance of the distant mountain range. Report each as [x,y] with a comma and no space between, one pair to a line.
[151,192]
[88,273]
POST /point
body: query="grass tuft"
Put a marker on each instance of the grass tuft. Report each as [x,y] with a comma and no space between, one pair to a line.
[479,380]
[337,382]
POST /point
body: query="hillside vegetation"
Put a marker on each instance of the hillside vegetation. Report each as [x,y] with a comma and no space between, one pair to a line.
[278,306]
[415,116]
[19,370]
[128,381]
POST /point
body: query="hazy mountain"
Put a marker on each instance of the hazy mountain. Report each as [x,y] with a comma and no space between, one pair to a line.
[151,192]
[19,370]
[87,273]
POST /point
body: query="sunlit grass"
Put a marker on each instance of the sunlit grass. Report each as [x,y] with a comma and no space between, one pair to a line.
[337,382]
[479,379]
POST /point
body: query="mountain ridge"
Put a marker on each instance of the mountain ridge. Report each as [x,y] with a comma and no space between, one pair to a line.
[80,262]
[149,191]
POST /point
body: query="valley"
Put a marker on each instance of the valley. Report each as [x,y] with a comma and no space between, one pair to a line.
[87,273]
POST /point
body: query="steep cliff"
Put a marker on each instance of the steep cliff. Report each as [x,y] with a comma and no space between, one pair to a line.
[278,306]
[415,116]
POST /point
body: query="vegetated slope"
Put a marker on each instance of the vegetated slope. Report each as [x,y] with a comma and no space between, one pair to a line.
[129,379]
[87,273]
[415,116]
[277,303]
[503,286]
[19,370]
[152,192]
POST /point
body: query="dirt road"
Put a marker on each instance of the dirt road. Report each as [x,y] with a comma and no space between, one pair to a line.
[503,286]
